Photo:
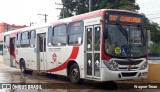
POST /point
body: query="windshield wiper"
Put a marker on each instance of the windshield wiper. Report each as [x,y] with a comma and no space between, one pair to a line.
[124,32]
[144,40]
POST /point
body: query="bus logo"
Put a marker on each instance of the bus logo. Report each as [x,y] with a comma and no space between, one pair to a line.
[54,57]
[129,67]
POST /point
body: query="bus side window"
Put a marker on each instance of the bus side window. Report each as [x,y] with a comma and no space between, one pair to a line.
[76,33]
[50,35]
[18,40]
[13,44]
[59,35]
[25,39]
[32,38]
[6,41]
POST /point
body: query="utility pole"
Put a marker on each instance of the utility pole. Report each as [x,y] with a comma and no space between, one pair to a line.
[45,17]
[61,8]
[90,5]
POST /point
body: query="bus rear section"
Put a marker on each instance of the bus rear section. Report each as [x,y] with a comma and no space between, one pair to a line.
[9,50]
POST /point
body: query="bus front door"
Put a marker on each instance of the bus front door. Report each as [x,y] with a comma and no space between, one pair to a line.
[93,51]
[41,52]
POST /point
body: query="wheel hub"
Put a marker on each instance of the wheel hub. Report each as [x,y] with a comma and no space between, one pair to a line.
[75,73]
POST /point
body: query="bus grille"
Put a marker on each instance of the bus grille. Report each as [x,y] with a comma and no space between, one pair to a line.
[129,74]
[134,62]
[126,68]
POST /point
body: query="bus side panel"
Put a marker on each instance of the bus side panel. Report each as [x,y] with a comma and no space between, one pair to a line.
[81,61]
[6,56]
[57,57]
[29,55]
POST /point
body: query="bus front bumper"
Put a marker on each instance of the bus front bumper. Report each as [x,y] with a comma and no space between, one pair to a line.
[108,75]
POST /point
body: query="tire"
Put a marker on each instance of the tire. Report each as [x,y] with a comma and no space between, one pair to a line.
[22,66]
[74,74]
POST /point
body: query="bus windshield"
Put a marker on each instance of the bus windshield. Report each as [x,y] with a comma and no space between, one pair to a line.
[125,41]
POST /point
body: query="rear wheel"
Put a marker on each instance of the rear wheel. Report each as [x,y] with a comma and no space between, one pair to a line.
[23,66]
[74,74]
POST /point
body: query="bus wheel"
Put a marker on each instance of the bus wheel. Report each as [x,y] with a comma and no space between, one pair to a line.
[22,66]
[74,74]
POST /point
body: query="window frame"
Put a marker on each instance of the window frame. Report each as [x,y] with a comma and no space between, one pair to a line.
[79,33]
[51,38]
[6,41]
[18,39]
[66,35]
[27,45]
[32,38]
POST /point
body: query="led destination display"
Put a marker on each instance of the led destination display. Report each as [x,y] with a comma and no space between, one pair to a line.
[124,17]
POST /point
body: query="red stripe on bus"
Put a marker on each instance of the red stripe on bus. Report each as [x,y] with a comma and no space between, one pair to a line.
[17,62]
[73,56]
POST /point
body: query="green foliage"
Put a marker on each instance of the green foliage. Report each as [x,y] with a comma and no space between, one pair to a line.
[119,4]
[154,48]
[75,7]
[155,31]
[66,14]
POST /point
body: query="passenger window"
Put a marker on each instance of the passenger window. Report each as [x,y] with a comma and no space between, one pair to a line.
[6,41]
[41,44]
[76,33]
[25,39]
[50,35]
[59,35]
[18,40]
[32,38]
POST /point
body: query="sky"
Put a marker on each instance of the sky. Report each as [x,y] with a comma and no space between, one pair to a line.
[23,12]
[151,8]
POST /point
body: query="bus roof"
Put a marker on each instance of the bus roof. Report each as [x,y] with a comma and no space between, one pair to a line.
[27,28]
[69,19]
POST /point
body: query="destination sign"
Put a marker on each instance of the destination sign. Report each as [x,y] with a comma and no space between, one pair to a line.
[125,17]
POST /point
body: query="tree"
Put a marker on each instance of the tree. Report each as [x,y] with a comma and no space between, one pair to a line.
[75,7]
[119,4]
[66,14]
[155,36]
[155,31]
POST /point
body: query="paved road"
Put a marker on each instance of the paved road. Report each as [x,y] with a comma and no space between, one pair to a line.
[12,75]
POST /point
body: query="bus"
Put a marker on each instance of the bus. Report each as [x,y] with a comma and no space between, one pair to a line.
[103,45]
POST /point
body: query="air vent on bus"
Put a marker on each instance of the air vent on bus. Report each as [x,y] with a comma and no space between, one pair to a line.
[129,74]
[134,62]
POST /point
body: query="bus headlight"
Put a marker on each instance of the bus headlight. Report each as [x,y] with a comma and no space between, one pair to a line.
[111,65]
[144,66]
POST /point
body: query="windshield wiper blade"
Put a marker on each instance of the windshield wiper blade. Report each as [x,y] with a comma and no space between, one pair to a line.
[144,40]
[124,32]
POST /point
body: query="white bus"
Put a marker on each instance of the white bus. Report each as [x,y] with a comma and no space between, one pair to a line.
[102,45]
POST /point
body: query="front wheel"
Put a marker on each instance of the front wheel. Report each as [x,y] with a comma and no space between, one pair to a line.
[74,74]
